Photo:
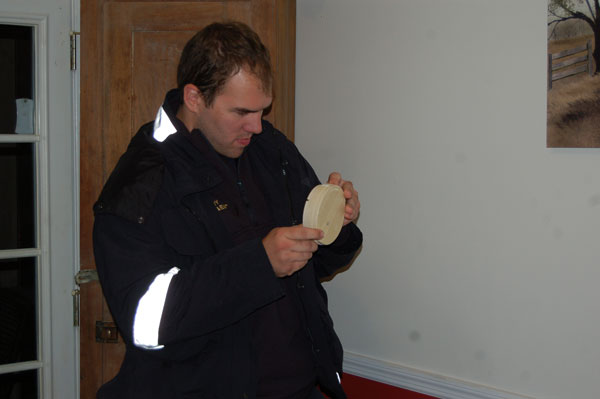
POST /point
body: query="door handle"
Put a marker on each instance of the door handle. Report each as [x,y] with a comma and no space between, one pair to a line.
[84,276]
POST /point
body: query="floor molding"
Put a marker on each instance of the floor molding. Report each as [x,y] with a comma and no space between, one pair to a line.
[420,381]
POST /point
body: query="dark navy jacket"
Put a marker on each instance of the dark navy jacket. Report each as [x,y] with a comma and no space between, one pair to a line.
[163,207]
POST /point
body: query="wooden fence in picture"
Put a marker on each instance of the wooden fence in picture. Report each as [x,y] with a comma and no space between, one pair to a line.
[568,67]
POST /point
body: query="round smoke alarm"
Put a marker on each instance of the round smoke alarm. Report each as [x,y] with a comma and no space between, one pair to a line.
[324,209]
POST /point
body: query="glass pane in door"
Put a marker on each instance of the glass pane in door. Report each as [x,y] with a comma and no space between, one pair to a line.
[16,79]
[18,299]
[21,385]
[17,203]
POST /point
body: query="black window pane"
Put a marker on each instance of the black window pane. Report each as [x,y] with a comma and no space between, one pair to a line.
[17,205]
[16,79]
[18,342]
[21,385]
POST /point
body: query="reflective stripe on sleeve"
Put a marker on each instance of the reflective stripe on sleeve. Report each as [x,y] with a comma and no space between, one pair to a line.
[149,311]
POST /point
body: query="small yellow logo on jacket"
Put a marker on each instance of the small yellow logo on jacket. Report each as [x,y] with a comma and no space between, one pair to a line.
[220,207]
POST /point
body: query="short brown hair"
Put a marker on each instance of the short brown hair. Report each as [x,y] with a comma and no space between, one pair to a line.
[218,52]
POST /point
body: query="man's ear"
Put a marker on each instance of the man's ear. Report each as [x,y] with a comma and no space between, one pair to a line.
[193,99]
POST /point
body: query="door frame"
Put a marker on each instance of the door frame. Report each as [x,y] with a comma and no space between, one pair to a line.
[56,195]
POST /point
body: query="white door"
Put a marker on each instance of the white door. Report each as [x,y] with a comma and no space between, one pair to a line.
[38,199]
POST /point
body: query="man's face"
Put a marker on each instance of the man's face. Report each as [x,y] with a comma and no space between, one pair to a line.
[235,114]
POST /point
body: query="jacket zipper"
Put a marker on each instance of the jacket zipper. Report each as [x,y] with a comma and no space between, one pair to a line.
[244,195]
[284,173]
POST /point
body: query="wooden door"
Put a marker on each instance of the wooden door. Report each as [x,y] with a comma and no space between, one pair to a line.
[129,55]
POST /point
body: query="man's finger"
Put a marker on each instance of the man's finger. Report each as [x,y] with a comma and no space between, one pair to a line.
[335,178]
[348,188]
[306,247]
[299,232]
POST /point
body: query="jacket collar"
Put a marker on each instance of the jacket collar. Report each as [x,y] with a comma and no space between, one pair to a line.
[166,122]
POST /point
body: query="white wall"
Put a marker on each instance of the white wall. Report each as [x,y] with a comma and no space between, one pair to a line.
[481,256]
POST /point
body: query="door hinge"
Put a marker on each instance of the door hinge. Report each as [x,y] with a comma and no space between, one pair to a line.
[73,38]
[82,277]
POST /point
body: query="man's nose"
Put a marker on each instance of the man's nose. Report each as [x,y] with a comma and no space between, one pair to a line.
[254,123]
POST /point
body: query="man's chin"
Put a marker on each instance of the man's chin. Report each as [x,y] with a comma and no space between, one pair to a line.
[234,153]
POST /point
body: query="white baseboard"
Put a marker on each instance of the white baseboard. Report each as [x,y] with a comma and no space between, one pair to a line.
[420,381]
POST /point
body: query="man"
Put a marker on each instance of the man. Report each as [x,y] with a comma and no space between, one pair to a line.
[210,276]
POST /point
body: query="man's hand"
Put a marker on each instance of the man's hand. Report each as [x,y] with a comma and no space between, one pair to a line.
[352,203]
[290,248]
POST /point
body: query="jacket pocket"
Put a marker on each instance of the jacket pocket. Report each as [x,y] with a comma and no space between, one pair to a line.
[204,375]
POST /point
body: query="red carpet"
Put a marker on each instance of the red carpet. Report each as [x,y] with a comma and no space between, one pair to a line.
[362,388]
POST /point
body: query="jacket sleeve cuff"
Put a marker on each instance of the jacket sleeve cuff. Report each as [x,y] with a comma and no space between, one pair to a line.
[349,240]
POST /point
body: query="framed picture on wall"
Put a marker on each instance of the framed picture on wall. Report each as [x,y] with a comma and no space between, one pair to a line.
[573,64]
